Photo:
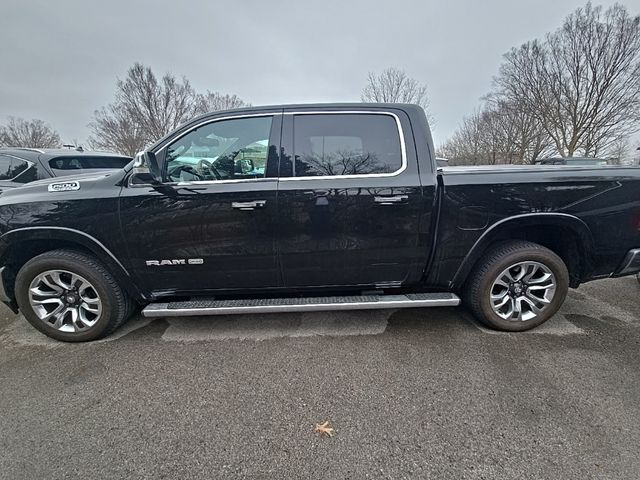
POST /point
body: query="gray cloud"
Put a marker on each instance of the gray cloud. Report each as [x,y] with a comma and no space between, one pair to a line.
[59,60]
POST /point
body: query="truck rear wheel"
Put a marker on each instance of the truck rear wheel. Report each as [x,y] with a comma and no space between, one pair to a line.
[517,286]
[70,296]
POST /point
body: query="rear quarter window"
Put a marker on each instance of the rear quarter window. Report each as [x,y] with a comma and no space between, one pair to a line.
[69,165]
[16,170]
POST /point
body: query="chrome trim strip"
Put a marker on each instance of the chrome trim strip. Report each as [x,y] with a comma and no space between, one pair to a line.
[627,267]
[218,182]
[385,302]
[403,147]
[205,182]
[95,240]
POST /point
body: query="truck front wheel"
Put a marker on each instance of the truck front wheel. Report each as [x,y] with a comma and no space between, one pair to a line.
[70,296]
[517,286]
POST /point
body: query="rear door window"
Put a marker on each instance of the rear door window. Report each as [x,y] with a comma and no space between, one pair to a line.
[340,144]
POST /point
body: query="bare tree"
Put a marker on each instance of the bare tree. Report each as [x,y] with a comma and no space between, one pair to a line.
[522,139]
[35,133]
[582,82]
[620,152]
[395,86]
[115,130]
[146,108]
[498,133]
[215,101]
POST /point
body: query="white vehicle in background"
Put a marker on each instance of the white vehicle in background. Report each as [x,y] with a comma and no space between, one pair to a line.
[572,161]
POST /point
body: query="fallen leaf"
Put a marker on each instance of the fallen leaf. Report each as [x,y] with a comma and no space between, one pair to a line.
[324,429]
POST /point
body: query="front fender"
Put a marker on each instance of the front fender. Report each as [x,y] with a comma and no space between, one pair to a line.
[14,239]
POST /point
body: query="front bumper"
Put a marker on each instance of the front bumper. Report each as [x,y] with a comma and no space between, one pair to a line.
[630,264]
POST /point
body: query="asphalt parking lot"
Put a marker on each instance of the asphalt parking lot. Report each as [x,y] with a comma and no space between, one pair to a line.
[422,393]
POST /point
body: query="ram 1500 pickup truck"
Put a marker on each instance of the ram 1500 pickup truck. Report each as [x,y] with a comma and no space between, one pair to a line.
[310,207]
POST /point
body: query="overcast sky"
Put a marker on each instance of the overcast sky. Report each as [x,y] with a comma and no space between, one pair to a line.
[59,60]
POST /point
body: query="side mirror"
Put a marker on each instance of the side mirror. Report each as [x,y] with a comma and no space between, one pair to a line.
[146,169]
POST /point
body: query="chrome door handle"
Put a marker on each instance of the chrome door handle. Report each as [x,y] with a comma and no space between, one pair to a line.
[316,193]
[249,205]
[392,200]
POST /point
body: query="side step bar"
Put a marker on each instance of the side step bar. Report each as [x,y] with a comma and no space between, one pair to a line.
[206,306]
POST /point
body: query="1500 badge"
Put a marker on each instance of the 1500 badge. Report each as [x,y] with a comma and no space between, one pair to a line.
[180,261]
[64,186]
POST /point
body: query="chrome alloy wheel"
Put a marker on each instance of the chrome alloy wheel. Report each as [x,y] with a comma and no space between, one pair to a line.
[523,291]
[65,301]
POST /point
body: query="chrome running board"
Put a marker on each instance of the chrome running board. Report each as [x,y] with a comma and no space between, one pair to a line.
[206,306]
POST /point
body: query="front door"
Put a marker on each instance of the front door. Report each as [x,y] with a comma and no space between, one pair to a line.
[351,204]
[210,225]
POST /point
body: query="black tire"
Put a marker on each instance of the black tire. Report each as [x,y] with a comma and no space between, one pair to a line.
[116,306]
[493,265]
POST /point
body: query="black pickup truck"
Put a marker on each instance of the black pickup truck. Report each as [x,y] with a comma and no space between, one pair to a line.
[310,207]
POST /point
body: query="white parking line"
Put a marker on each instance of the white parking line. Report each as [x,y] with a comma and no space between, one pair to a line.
[581,303]
[264,327]
[21,333]
[556,325]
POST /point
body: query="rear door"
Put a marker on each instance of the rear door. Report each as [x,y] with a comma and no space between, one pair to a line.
[351,205]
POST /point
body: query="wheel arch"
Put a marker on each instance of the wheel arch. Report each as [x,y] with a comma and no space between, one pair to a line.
[20,245]
[566,235]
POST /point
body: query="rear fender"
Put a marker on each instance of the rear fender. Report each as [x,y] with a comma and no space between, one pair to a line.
[501,229]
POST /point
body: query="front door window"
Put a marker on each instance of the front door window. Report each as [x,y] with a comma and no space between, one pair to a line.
[234,149]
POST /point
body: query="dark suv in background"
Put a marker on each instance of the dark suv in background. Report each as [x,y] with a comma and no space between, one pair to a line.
[23,165]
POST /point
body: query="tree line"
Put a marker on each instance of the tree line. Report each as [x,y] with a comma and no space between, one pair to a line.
[147,107]
[575,92]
